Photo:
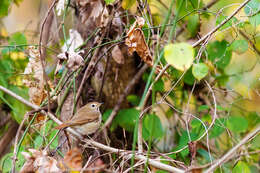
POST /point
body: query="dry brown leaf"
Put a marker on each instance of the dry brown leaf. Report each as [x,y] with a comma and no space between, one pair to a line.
[136,42]
[73,159]
[118,55]
[39,161]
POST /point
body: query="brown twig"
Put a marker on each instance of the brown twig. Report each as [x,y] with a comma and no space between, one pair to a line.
[221,24]
[152,162]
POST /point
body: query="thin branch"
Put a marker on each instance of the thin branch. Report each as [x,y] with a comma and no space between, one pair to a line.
[152,162]
[221,24]
[233,150]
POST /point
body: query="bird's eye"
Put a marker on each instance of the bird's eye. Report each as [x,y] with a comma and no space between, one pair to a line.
[93,105]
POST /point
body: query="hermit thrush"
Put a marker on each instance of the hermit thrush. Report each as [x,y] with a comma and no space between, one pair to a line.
[86,120]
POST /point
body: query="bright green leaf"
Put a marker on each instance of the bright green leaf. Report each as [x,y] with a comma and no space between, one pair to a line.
[109,1]
[133,99]
[237,124]
[159,86]
[4,7]
[200,70]
[241,167]
[38,142]
[179,55]
[239,46]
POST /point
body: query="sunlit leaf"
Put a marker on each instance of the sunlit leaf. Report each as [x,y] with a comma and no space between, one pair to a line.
[109,1]
[18,38]
[179,55]
[200,70]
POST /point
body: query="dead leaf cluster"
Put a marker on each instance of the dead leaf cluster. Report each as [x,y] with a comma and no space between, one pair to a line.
[33,77]
[39,161]
[74,61]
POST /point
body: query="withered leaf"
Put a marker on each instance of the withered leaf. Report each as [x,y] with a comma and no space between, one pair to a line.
[118,55]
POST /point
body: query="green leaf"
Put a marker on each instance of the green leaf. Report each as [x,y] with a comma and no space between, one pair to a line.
[237,124]
[200,70]
[241,167]
[109,1]
[159,85]
[4,7]
[193,24]
[153,127]
[239,46]
[106,114]
[219,54]
[252,10]
[229,23]
[179,55]
[133,99]
[126,118]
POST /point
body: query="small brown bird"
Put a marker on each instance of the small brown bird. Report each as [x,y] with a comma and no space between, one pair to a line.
[86,120]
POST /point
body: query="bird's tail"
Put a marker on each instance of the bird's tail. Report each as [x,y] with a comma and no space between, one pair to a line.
[64,125]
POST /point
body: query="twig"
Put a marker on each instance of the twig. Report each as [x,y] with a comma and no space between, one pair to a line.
[221,24]
[152,162]
[223,159]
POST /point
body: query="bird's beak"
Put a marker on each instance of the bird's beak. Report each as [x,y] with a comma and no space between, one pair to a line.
[99,104]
